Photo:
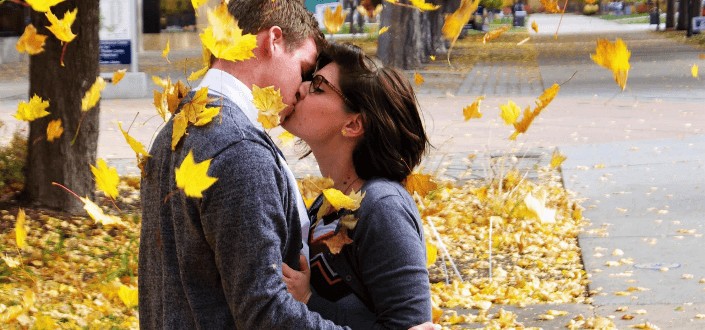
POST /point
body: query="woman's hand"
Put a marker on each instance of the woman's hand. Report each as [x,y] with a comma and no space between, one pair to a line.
[297,282]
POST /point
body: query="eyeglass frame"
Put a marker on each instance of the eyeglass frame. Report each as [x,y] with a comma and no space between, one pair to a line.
[313,86]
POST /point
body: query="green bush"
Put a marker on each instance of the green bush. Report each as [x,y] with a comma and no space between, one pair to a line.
[491,4]
[12,161]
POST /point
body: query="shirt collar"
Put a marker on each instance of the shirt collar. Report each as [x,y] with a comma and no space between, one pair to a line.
[222,83]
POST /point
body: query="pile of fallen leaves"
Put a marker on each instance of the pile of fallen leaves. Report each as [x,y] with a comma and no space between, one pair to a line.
[71,272]
[507,240]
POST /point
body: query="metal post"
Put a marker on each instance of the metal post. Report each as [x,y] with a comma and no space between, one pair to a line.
[134,45]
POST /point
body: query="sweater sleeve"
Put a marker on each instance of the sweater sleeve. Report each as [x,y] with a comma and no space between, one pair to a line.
[392,263]
[244,222]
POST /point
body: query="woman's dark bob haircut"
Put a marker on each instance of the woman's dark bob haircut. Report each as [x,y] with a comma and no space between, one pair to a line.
[394,140]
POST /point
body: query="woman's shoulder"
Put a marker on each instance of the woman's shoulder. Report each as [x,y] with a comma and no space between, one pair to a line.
[379,188]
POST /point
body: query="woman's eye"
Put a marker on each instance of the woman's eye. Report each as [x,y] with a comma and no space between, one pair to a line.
[317,90]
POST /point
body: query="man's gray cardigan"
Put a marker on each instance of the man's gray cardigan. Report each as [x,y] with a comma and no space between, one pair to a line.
[215,262]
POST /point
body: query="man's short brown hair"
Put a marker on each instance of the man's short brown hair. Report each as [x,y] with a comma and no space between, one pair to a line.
[297,23]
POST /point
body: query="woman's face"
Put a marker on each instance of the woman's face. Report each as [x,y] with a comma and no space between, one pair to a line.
[319,114]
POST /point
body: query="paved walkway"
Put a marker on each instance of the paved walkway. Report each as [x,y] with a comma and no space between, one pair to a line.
[635,158]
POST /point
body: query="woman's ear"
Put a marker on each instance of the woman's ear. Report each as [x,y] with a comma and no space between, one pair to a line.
[354,127]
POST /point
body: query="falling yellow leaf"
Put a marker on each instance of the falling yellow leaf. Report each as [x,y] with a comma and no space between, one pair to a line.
[20,229]
[31,42]
[418,79]
[694,70]
[509,112]
[333,20]
[96,213]
[128,295]
[432,57]
[223,37]
[54,130]
[382,30]
[136,146]
[179,129]
[92,96]
[198,3]
[473,110]
[11,262]
[61,28]
[42,6]
[269,103]
[431,254]
[369,13]
[118,75]
[336,242]
[422,5]
[557,159]
[193,177]
[547,96]
[615,57]
[419,183]
[538,206]
[195,112]
[286,138]
[454,22]
[106,178]
[166,50]
[543,100]
[551,6]
[340,201]
[534,26]
[36,108]
[206,60]
[494,34]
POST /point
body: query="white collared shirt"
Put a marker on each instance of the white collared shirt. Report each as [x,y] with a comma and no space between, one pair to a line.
[222,83]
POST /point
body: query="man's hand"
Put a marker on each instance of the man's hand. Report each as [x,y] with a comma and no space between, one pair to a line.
[426,326]
[297,283]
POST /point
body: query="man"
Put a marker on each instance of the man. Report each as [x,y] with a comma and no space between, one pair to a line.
[215,262]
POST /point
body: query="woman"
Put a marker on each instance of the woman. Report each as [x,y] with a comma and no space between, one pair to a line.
[361,122]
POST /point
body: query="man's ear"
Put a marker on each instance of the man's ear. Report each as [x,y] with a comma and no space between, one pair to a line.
[354,126]
[273,40]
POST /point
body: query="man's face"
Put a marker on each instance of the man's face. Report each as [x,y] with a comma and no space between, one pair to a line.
[288,67]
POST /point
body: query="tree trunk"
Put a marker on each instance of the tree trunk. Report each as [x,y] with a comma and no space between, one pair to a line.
[401,46]
[62,161]
[694,10]
[670,14]
[683,15]
[435,19]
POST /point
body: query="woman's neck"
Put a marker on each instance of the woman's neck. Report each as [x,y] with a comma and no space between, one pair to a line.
[338,166]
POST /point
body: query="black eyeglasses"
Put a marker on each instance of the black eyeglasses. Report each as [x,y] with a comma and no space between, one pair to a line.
[315,87]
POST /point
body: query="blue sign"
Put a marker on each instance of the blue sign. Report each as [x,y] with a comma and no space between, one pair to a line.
[115,52]
[311,4]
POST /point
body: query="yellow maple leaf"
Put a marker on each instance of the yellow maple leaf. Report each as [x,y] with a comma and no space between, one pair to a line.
[31,42]
[547,96]
[106,178]
[551,6]
[369,13]
[128,295]
[382,30]
[286,138]
[509,112]
[161,82]
[118,75]
[92,96]
[473,110]
[557,159]
[20,229]
[136,146]
[614,57]
[336,242]
[166,50]
[333,20]
[422,5]
[36,108]
[96,213]
[269,103]
[419,183]
[523,125]
[193,177]
[223,37]
[178,129]
[534,26]
[431,254]
[54,130]
[494,34]
[42,6]
[61,28]
[10,261]
[206,60]
[454,23]
[418,79]
[198,3]
[432,57]
[694,70]
[340,201]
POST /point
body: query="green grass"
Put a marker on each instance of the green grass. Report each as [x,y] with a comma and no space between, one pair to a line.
[610,17]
